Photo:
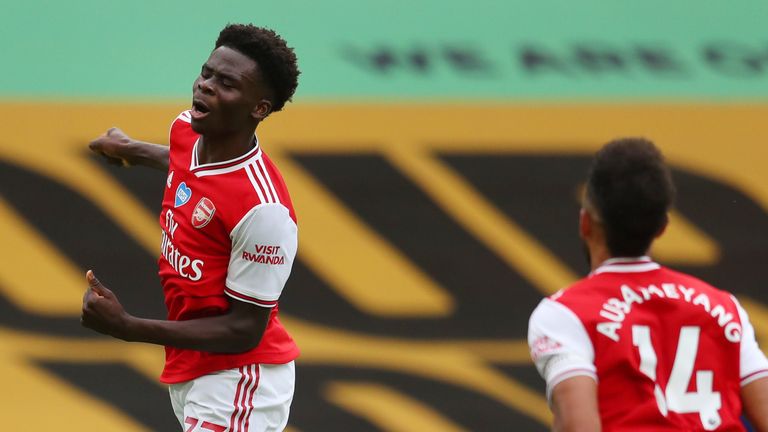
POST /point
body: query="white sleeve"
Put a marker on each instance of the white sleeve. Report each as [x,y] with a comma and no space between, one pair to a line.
[753,365]
[560,346]
[263,249]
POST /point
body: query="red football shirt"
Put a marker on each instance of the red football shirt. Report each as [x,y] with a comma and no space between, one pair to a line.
[229,234]
[668,351]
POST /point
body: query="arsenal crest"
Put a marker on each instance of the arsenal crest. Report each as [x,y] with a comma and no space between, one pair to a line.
[203,213]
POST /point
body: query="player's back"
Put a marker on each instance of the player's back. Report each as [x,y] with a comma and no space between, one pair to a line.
[666,348]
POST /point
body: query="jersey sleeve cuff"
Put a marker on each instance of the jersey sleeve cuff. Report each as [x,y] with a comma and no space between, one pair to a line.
[566,374]
[754,376]
[248,299]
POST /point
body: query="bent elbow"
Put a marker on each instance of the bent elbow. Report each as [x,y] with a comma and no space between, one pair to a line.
[250,342]
[244,340]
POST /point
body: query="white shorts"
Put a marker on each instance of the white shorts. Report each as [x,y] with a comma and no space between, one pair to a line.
[253,398]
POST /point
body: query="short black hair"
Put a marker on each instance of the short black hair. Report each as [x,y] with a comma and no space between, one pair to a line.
[275,58]
[630,186]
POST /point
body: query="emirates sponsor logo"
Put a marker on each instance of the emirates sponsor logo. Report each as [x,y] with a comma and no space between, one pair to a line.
[203,213]
[185,266]
[265,254]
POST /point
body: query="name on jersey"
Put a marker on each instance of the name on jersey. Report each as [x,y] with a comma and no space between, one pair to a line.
[265,254]
[615,310]
[185,266]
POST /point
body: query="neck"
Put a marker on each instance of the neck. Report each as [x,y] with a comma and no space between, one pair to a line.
[598,254]
[212,149]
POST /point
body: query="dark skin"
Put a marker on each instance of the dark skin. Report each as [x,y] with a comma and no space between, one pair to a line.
[237,331]
[574,400]
[230,98]
[119,149]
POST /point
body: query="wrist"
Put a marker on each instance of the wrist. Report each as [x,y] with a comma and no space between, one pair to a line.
[133,153]
[129,328]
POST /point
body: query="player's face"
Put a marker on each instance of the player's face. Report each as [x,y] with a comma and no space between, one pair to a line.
[228,96]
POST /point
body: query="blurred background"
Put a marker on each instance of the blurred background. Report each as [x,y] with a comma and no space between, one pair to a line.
[434,152]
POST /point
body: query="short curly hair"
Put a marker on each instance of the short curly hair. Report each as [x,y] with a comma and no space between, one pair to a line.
[631,188]
[275,58]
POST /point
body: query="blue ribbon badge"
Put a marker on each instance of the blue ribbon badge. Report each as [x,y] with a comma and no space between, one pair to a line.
[183,194]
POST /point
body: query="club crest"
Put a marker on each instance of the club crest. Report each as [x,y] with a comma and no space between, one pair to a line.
[203,213]
[183,194]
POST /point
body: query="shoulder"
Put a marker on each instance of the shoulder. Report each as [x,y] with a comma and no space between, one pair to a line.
[690,281]
[181,131]
[183,120]
[268,183]
[580,293]
[243,188]
[552,320]
[684,278]
[266,218]
[184,116]
[549,310]
[559,343]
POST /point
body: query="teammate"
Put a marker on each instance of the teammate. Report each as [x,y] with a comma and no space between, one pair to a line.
[229,238]
[636,346]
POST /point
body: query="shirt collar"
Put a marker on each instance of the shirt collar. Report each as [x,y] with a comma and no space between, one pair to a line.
[627,265]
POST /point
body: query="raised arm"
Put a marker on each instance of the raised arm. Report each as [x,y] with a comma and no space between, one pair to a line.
[119,149]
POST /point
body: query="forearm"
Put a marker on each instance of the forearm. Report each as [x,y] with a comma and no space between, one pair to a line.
[574,404]
[575,423]
[212,334]
[755,399]
[147,154]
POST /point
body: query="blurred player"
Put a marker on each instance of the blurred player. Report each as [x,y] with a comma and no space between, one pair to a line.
[636,346]
[228,244]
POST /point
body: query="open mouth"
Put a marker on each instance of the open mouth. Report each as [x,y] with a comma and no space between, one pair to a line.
[199,109]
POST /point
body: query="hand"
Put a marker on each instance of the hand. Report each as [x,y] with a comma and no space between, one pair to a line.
[114,146]
[102,311]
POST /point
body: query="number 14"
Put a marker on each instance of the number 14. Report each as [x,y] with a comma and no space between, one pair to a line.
[703,401]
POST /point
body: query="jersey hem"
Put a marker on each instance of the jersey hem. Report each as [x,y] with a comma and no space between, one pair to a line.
[188,375]
[568,374]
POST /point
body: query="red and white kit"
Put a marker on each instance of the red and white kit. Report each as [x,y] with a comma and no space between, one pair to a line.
[263,394]
[668,351]
[229,234]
